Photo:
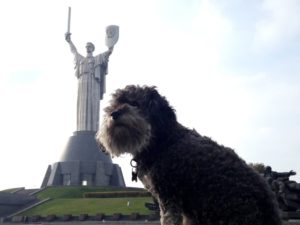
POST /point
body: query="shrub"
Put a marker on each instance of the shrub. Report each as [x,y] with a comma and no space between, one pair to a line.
[118,194]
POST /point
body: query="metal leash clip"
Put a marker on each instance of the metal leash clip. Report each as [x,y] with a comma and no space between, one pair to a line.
[134,173]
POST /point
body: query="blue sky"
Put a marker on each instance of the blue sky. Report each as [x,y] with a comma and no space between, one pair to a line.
[229,68]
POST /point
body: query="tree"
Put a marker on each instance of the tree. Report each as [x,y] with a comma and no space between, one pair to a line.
[258,167]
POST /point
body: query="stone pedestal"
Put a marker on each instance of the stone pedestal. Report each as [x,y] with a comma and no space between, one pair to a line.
[83,163]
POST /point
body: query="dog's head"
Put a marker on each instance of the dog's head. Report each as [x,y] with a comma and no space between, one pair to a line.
[136,115]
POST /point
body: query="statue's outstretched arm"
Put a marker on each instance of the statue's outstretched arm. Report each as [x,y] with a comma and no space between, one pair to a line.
[107,54]
[72,46]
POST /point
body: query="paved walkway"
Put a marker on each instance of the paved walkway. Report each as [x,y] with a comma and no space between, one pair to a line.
[92,223]
[295,222]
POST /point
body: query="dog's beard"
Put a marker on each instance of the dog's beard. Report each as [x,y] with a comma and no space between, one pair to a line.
[129,134]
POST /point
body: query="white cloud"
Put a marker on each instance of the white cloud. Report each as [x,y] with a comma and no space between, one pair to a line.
[279,24]
[213,31]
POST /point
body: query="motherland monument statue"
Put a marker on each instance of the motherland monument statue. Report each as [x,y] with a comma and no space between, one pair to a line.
[83,162]
[90,72]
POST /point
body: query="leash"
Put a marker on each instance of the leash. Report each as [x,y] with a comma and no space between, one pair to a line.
[134,173]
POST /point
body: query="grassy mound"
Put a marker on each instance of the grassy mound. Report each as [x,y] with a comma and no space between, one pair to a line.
[70,200]
[90,206]
[78,192]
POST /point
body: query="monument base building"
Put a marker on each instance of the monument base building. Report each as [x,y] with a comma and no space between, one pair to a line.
[83,163]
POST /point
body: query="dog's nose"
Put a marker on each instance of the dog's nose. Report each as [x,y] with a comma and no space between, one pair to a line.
[116,114]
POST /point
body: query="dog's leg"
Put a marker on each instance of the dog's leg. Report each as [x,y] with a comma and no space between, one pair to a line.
[170,216]
[186,220]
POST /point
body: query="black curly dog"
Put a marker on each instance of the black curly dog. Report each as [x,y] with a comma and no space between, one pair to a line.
[194,179]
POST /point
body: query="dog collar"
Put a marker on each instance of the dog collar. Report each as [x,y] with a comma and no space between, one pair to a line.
[134,173]
[132,161]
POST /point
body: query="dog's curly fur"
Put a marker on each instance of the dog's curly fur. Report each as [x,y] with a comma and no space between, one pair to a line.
[195,180]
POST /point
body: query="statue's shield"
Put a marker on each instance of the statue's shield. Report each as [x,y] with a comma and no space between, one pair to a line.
[112,35]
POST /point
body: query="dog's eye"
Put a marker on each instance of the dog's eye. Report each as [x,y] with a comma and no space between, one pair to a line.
[135,104]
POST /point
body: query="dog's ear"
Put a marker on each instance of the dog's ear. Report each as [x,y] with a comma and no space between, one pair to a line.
[154,109]
[159,109]
[153,101]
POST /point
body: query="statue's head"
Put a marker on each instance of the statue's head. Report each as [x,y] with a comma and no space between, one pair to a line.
[90,47]
[268,169]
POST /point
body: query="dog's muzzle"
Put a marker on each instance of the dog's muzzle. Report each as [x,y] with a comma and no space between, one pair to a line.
[101,146]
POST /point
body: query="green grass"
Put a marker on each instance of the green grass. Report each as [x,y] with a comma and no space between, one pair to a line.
[90,206]
[69,200]
[76,192]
